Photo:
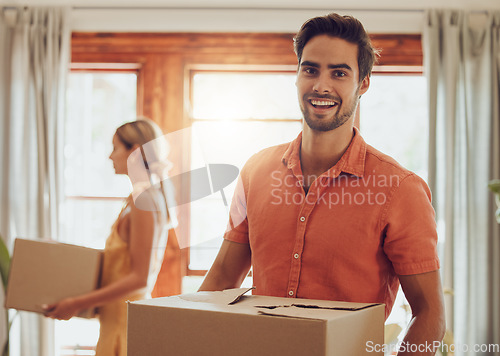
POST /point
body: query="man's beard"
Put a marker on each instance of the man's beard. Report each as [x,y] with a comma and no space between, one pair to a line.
[327,124]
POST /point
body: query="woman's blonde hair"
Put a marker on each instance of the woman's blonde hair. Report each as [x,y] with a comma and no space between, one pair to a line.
[144,131]
[149,138]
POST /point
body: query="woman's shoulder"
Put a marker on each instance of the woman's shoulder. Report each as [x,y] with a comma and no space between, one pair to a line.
[135,209]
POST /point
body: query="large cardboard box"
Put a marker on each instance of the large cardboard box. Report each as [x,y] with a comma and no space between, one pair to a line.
[44,272]
[228,323]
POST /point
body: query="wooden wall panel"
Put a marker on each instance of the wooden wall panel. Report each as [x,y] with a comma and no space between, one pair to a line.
[181,43]
[402,50]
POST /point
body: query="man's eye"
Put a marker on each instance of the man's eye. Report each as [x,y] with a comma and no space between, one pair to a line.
[310,70]
[339,73]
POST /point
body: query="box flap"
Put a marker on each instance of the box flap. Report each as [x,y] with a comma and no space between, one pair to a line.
[225,297]
[274,302]
[309,311]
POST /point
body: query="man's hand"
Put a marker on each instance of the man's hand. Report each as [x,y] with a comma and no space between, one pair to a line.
[427,326]
[230,267]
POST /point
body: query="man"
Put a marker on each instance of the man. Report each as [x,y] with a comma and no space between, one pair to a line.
[327,216]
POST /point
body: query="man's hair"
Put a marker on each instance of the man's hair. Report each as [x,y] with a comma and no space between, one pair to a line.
[345,27]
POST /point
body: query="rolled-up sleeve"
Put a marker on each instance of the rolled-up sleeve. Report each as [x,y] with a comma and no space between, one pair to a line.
[410,240]
[237,228]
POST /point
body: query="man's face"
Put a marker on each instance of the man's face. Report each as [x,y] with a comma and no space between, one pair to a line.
[328,82]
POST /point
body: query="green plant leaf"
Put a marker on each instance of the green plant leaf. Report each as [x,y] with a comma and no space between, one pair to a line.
[4,263]
[494,185]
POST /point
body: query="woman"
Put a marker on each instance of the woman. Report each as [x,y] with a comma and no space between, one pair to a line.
[139,150]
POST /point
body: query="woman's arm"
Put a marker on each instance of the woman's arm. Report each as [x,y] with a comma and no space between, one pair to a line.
[141,232]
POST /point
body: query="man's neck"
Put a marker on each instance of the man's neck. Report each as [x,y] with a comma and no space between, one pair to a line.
[320,151]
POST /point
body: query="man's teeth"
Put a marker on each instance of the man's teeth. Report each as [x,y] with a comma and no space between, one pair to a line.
[322,103]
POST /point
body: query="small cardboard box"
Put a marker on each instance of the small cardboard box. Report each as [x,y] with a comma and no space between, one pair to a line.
[44,272]
[228,323]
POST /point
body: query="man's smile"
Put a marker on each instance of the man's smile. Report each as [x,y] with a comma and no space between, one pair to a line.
[322,103]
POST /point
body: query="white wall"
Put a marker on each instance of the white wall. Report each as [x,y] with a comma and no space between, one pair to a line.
[232,20]
[383,16]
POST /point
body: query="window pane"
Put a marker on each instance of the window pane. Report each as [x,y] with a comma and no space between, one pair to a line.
[88,222]
[237,96]
[230,142]
[234,142]
[394,119]
[97,104]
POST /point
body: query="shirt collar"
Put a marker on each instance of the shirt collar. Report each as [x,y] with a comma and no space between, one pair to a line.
[351,162]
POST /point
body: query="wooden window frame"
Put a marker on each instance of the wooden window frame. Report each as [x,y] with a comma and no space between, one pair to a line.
[163,62]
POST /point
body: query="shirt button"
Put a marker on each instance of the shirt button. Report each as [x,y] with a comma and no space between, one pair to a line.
[290,293]
[302,218]
[296,256]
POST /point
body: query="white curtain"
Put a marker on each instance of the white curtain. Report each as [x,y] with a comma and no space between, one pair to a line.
[34,55]
[462,64]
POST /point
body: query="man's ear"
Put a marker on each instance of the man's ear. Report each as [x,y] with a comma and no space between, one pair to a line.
[365,84]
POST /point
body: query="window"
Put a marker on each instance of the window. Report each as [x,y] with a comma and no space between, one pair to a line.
[97,103]
[394,118]
[249,111]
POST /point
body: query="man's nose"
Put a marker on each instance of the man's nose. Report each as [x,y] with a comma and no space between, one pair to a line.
[322,84]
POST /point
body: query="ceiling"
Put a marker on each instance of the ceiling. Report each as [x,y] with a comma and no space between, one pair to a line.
[266,4]
[282,16]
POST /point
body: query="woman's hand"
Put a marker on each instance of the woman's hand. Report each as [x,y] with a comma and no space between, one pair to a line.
[65,309]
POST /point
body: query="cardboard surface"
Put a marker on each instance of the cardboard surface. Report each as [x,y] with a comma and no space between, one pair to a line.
[205,323]
[44,272]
